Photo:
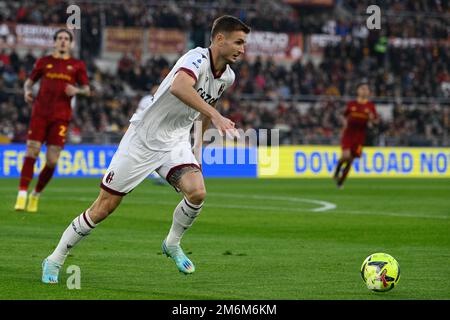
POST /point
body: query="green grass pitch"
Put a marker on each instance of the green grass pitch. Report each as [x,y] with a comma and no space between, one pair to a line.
[255,239]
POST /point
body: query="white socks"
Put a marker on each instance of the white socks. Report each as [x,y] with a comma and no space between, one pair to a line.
[80,227]
[183,218]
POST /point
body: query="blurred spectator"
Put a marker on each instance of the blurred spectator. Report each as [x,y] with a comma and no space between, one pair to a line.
[393,71]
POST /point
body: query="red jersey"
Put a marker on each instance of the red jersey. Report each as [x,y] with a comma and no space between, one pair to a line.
[354,134]
[358,114]
[55,74]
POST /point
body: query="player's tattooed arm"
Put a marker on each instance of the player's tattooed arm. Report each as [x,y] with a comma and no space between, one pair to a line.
[183,88]
[28,90]
[72,90]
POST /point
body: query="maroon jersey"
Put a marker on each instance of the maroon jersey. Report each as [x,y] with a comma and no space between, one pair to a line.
[55,74]
[358,114]
[354,134]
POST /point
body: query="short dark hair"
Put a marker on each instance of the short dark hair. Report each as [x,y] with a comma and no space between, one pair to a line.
[362,83]
[63,30]
[228,23]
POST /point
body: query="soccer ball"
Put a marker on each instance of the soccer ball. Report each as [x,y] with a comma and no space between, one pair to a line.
[380,272]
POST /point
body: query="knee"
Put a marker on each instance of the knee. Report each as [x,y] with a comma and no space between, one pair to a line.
[32,153]
[51,162]
[346,157]
[33,148]
[52,157]
[196,196]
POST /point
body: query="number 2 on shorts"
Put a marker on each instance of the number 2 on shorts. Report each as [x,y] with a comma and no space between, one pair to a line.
[62,130]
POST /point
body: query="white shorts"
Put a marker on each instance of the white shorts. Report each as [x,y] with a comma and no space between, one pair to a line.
[133,162]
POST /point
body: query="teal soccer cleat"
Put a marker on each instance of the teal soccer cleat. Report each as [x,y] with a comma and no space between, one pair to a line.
[50,271]
[183,263]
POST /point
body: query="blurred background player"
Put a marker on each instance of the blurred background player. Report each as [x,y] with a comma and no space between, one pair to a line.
[51,114]
[359,114]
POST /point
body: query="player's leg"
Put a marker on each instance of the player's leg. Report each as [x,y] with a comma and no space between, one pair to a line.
[26,174]
[130,165]
[52,156]
[355,151]
[77,230]
[36,135]
[189,180]
[345,158]
[182,171]
[345,172]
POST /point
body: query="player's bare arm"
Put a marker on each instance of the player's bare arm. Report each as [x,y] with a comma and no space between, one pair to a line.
[373,120]
[198,141]
[72,90]
[343,121]
[183,88]
[28,90]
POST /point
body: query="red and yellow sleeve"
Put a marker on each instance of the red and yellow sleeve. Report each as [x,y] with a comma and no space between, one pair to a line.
[374,111]
[82,77]
[347,109]
[38,70]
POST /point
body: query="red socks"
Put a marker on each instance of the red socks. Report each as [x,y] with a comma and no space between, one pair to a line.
[26,175]
[44,177]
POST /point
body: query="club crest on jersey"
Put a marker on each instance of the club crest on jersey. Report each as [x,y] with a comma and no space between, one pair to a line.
[69,67]
[49,66]
[109,177]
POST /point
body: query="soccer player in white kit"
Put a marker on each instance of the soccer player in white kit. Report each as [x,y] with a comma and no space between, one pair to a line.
[158,139]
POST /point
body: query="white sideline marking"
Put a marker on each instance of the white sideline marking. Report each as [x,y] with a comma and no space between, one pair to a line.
[324,205]
[279,209]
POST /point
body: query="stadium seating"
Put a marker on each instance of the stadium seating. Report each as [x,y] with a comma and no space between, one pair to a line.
[266,94]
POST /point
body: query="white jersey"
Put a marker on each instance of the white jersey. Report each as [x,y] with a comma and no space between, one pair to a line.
[167,121]
[144,103]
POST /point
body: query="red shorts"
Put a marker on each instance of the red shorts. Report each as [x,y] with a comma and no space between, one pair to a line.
[354,142]
[51,131]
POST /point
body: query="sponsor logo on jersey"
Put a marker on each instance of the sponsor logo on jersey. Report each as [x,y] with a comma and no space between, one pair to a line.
[222,88]
[56,75]
[206,96]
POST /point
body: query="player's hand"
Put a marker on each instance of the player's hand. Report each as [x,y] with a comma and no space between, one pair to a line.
[224,125]
[71,90]
[28,96]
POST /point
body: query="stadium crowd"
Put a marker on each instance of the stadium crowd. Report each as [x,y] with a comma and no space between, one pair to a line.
[116,98]
[393,71]
[407,18]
